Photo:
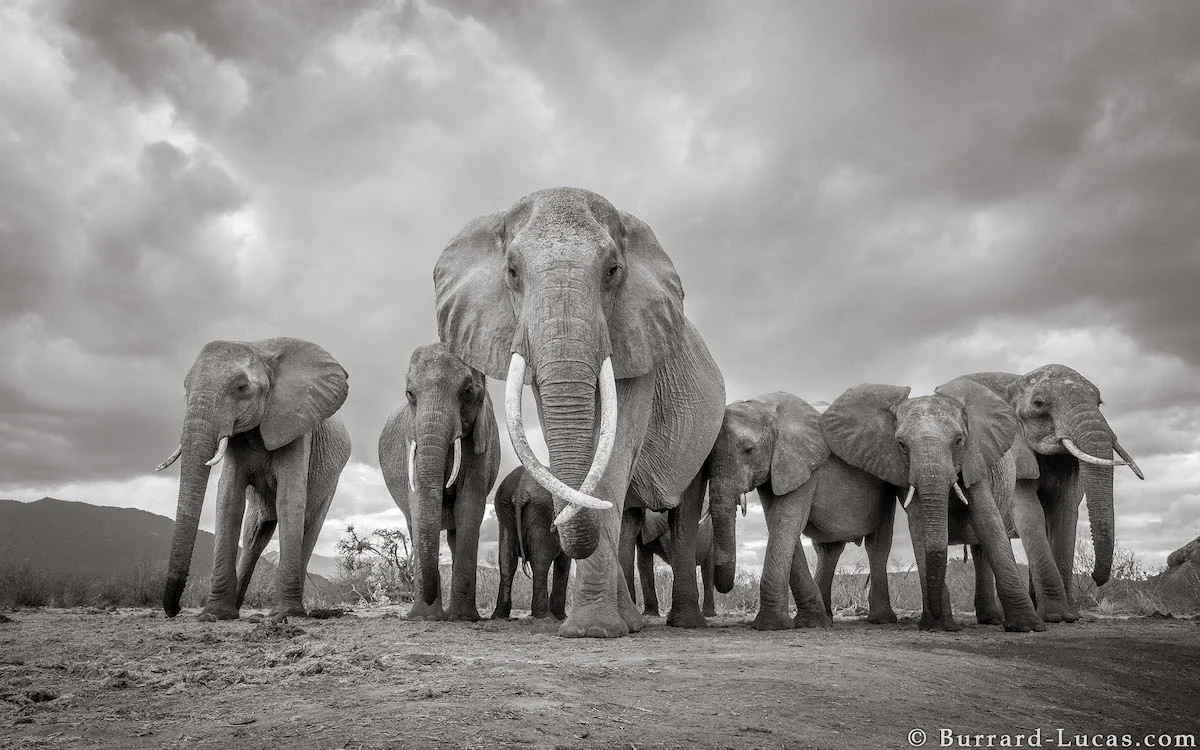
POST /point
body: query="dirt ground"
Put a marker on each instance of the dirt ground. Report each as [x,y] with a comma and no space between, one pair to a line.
[134,679]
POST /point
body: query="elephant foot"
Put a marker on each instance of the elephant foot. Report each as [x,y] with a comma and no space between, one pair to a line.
[540,614]
[686,615]
[559,614]
[430,612]
[1024,623]
[281,612]
[594,622]
[502,611]
[629,614]
[989,617]
[946,624]
[648,612]
[709,610]
[218,611]
[882,617]
[1050,610]
[463,614]
[770,619]
[812,620]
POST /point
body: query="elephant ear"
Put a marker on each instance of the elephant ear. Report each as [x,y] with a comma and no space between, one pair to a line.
[860,427]
[475,311]
[654,525]
[644,329]
[799,445]
[485,417]
[307,387]
[991,427]
[1005,385]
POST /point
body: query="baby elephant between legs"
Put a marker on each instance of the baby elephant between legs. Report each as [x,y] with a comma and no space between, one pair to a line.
[265,409]
[440,453]
[525,511]
[650,534]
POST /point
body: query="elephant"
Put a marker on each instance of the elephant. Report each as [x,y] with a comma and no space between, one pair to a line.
[524,511]
[579,298]
[266,408]
[1063,454]
[774,443]
[652,536]
[956,441]
[440,454]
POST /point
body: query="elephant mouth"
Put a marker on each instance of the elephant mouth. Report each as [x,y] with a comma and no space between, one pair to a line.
[575,499]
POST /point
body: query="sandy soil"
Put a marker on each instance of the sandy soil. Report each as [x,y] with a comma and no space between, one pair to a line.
[133,679]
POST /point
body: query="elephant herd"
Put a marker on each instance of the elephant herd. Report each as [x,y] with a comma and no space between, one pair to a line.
[565,293]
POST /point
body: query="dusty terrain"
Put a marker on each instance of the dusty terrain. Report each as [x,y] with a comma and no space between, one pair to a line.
[133,679]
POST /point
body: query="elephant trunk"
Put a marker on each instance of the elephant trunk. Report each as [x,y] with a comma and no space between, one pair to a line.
[199,445]
[434,434]
[722,508]
[568,396]
[1092,435]
[933,492]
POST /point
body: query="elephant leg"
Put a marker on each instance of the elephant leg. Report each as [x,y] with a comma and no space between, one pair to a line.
[684,520]
[916,530]
[468,516]
[508,558]
[231,505]
[1047,586]
[706,578]
[810,606]
[1062,519]
[631,524]
[828,554]
[259,528]
[291,503]
[879,549]
[602,606]
[786,516]
[987,609]
[1019,614]
[314,520]
[645,565]
[540,606]
[558,591]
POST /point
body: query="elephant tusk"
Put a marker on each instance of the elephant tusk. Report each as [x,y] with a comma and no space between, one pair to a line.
[457,462]
[220,453]
[1129,459]
[743,503]
[171,458]
[540,474]
[608,427]
[412,456]
[1088,458]
[961,495]
[912,488]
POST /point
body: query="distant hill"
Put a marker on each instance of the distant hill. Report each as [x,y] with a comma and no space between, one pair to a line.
[71,537]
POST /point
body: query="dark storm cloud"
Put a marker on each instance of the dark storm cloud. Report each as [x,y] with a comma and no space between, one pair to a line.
[862,191]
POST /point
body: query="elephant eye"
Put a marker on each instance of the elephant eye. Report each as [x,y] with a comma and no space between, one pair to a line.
[512,272]
[903,446]
[612,272]
[1039,402]
[958,441]
[411,398]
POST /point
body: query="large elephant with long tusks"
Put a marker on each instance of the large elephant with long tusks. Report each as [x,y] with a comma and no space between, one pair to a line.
[566,292]
[440,453]
[1064,453]
[266,409]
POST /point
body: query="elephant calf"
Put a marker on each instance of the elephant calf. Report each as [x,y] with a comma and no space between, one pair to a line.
[440,453]
[525,512]
[653,537]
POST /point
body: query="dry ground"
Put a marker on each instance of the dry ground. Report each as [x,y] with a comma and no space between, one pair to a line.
[133,679]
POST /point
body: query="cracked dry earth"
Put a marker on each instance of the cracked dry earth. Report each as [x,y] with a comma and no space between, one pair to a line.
[134,679]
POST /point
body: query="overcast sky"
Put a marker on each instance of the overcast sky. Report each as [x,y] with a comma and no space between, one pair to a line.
[851,192]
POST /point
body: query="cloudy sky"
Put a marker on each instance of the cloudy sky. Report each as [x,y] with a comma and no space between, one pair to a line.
[851,192]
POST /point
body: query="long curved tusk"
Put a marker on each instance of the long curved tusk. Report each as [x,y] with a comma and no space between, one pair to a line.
[457,462]
[608,427]
[912,488]
[220,452]
[959,491]
[1129,459]
[171,458]
[516,432]
[1088,458]
[412,459]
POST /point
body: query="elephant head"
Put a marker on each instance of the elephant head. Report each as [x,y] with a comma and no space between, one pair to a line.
[772,442]
[582,294]
[1059,411]
[449,402]
[279,388]
[927,444]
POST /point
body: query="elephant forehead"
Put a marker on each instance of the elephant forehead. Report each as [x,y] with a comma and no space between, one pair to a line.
[929,411]
[745,418]
[565,213]
[224,359]
[435,362]
[1060,376]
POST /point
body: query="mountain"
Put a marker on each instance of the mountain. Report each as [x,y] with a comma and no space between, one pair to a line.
[70,537]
